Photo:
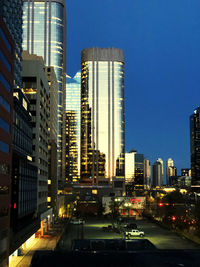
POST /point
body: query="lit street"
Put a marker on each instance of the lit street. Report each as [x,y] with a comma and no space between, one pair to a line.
[92,229]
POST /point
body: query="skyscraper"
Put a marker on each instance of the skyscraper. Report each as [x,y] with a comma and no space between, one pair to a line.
[139,169]
[44,34]
[130,166]
[169,163]
[157,174]
[73,121]
[162,165]
[102,114]
[147,173]
[195,146]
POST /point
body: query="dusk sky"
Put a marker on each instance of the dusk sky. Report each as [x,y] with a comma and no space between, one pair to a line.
[161,42]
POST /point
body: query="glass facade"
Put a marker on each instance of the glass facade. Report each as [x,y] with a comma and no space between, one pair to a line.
[44,27]
[73,120]
[102,115]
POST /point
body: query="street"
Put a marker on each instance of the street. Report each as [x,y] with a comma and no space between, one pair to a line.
[92,229]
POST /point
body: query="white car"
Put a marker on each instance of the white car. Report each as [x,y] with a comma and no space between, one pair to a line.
[78,221]
[134,232]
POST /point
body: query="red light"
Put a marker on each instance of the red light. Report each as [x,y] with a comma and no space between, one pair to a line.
[173,218]
[160,204]
[15,205]
[167,204]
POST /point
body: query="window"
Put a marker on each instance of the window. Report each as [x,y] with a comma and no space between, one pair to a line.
[4,147]
[4,104]
[5,82]
[4,125]
[3,36]
[5,61]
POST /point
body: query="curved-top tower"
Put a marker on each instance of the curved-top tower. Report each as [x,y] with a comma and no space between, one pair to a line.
[102,114]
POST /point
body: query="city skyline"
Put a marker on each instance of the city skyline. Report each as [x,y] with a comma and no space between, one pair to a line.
[160,41]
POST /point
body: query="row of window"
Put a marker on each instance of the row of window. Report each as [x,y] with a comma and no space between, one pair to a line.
[5,82]
[4,147]
[3,36]
[5,61]
[4,125]
[4,103]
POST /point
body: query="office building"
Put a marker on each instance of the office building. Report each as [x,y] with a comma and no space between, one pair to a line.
[130,166]
[139,169]
[6,111]
[186,172]
[161,162]
[195,146]
[169,170]
[157,174]
[102,114]
[52,142]
[24,219]
[44,34]
[147,173]
[11,12]
[36,88]
[73,121]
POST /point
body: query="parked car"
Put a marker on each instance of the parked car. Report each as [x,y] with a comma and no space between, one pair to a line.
[110,228]
[78,221]
[134,232]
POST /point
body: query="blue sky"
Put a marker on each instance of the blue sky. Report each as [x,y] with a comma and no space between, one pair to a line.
[161,42]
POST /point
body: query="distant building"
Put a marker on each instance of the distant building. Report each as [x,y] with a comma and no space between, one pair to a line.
[7,56]
[36,88]
[147,173]
[73,122]
[130,166]
[102,114]
[139,169]
[157,174]
[195,146]
[169,164]
[186,172]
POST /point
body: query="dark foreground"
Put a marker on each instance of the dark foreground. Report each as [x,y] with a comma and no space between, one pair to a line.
[154,258]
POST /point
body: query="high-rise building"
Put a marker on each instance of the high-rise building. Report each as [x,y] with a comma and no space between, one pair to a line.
[44,34]
[147,173]
[139,169]
[11,12]
[35,87]
[161,162]
[186,172]
[130,166]
[169,164]
[102,114]
[157,174]
[52,142]
[6,111]
[73,122]
[195,146]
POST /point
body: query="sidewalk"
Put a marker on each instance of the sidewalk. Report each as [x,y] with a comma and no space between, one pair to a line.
[47,242]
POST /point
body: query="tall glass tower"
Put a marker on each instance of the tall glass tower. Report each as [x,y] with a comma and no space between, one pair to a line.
[44,34]
[73,121]
[102,114]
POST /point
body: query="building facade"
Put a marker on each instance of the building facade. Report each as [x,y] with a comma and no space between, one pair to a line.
[130,166]
[139,169]
[147,173]
[6,111]
[35,87]
[24,220]
[52,142]
[102,114]
[73,123]
[195,146]
[11,12]
[44,34]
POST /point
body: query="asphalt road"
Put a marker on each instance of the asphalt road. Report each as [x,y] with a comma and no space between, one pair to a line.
[161,238]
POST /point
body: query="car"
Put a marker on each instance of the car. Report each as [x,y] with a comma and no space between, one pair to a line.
[134,232]
[78,221]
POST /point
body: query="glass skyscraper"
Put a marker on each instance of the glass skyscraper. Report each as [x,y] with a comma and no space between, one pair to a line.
[44,34]
[102,114]
[73,120]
